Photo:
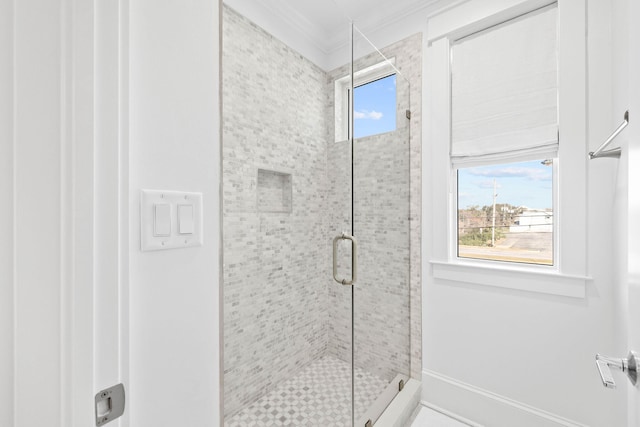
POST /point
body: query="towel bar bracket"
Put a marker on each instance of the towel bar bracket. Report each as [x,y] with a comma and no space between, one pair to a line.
[614,152]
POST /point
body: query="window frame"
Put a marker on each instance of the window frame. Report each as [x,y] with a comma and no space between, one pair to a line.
[569,274]
[342,86]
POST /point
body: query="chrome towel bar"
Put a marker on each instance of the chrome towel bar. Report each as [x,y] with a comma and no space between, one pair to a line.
[614,152]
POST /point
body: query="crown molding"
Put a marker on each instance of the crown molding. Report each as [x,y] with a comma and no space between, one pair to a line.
[322,38]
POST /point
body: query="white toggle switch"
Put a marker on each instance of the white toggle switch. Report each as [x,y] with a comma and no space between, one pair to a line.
[185,219]
[170,220]
[162,220]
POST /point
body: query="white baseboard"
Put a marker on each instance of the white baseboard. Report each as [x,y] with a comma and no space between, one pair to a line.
[450,414]
[477,407]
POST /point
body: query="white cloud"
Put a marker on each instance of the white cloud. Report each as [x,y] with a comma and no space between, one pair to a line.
[364,114]
[488,184]
[514,172]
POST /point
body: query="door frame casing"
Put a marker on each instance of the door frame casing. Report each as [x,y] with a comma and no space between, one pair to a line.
[53,78]
[633,213]
[96,109]
[100,190]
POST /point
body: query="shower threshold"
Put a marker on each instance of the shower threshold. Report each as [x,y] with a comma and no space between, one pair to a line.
[319,395]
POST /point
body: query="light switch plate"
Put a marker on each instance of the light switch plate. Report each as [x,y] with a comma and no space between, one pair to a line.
[149,199]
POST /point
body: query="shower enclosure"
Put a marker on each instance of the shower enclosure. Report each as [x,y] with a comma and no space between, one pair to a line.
[316,231]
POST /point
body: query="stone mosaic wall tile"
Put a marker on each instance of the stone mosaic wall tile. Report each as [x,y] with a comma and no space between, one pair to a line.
[274,192]
[387,221]
[282,309]
[381,226]
[274,259]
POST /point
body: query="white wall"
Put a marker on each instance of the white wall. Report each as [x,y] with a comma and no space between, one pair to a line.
[47,179]
[626,96]
[38,70]
[505,357]
[38,152]
[630,16]
[618,47]
[6,212]
[38,145]
[174,145]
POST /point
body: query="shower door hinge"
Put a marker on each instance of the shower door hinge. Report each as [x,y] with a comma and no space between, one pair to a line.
[409,114]
[400,385]
[368,424]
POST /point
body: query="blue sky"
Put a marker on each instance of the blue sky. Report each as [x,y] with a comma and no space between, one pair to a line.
[375,107]
[519,184]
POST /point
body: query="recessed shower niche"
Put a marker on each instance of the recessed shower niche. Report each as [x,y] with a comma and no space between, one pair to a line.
[273,191]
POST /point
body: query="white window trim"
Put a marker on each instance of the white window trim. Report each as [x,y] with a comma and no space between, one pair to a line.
[569,275]
[342,85]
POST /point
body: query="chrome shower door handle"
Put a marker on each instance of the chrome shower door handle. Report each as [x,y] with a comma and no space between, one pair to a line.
[354,259]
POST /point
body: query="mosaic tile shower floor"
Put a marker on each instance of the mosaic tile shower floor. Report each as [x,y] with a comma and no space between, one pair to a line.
[319,396]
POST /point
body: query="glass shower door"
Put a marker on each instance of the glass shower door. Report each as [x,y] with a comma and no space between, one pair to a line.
[381,185]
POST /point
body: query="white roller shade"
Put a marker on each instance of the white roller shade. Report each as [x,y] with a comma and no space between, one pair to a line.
[504,90]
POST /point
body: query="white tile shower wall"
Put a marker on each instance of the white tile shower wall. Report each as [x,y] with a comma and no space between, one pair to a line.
[274,262]
[279,299]
[381,210]
[381,222]
[274,191]
[387,225]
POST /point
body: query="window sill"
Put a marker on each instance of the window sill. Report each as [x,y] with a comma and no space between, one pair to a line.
[523,279]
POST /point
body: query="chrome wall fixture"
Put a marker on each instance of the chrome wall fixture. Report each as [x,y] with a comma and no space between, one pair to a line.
[354,259]
[628,365]
[614,152]
[109,404]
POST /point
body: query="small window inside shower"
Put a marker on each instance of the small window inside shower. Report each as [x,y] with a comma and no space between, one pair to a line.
[374,107]
[374,98]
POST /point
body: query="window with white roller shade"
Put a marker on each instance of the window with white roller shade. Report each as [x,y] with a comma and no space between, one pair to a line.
[509,203]
[504,90]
